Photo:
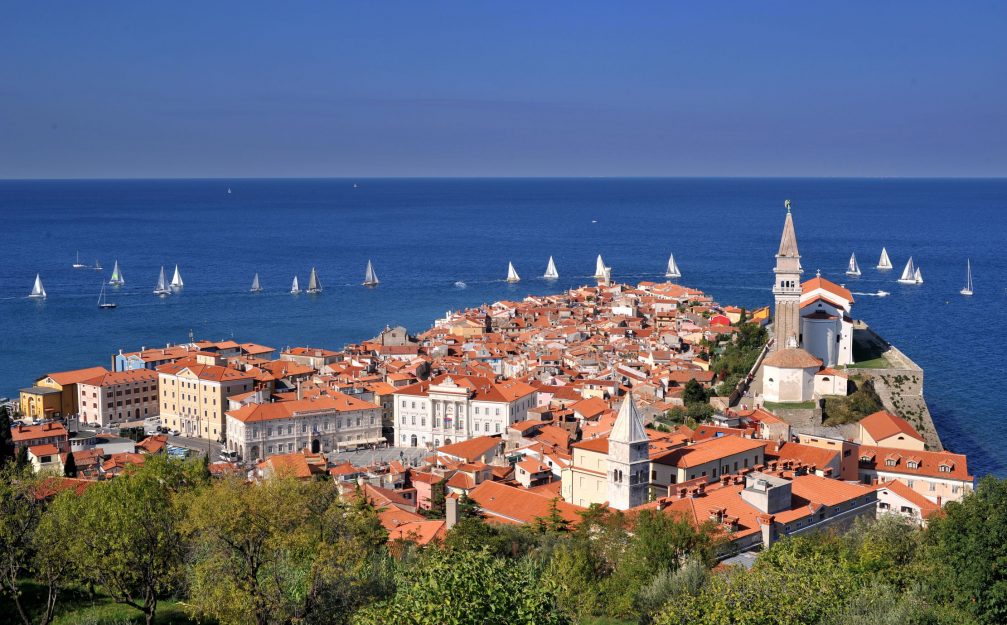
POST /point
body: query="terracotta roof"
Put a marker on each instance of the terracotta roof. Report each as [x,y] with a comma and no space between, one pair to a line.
[77,375]
[515,505]
[830,287]
[901,489]
[472,449]
[332,402]
[883,424]
[419,532]
[32,432]
[709,451]
[792,358]
[213,373]
[121,377]
[43,450]
[928,462]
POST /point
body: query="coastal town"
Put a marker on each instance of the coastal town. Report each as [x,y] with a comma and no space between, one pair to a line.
[631,398]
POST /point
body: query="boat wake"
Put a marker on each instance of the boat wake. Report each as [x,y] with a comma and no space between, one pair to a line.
[875,294]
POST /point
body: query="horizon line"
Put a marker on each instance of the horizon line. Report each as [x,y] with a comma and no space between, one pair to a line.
[502,177]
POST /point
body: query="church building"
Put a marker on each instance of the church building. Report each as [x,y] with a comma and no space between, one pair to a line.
[812,326]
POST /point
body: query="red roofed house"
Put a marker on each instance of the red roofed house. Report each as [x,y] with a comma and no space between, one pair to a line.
[43,434]
[193,395]
[897,498]
[884,429]
[501,503]
[114,397]
[41,401]
[940,476]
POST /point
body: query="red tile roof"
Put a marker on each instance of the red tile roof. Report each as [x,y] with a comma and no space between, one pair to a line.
[883,424]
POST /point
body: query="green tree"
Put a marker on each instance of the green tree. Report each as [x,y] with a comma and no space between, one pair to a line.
[6,442]
[553,522]
[694,393]
[127,539]
[21,457]
[573,575]
[70,466]
[466,588]
[438,493]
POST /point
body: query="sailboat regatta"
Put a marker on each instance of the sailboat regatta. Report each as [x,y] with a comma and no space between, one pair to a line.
[512,273]
[77,264]
[968,279]
[102,302]
[176,280]
[295,288]
[314,286]
[162,285]
[911,274]
[672,271]
[550,270]
[600,270]
[116,279]
[370,278]
[255,284]
[884,263]
[37,291]
[853,269]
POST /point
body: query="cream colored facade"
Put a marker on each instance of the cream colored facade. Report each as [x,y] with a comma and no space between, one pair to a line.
[194,399]
[117,397]
[585,481]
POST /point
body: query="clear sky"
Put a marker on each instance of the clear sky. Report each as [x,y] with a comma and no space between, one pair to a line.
[506,88]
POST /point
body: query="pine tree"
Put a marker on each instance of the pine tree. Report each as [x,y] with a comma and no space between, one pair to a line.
[70,466]
[22,457]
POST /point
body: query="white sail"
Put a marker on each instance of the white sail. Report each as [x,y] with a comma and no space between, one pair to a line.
[117,279]
[909,273]
[97,265]
[968,278]
[673,270]
[77,264]
[176,280]
[550,270]
[370,277]
[37,291]
[918,277]
[295,288]
[512,273]
[600,271]
[314,286]
[255,284]
[884,262]
[853,269]
[162,284]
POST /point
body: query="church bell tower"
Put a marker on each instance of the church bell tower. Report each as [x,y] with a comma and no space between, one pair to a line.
[787,288]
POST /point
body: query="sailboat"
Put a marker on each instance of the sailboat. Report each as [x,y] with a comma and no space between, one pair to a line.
[97,265]
[853,269]
[255,284]
[884,263]
[162,285]
[600,271]
[77,264]
[550,270]
[911,274]
[370,278]
[116,279]
[314,286]
[672,271]
[176,280]
[295,288]
[512,273]
[968,279]
[37,291]
[229,190]
[102,302]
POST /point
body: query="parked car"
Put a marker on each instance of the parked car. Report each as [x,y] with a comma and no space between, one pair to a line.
[228,456]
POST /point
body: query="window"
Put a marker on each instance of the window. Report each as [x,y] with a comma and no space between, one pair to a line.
[890,462]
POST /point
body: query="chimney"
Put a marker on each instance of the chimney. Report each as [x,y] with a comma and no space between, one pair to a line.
[451,511]
[300,395]
[768,526]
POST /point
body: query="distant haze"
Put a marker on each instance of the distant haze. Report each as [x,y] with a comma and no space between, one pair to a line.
[357,89]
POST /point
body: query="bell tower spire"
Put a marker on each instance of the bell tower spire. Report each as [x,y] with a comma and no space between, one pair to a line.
[787,288]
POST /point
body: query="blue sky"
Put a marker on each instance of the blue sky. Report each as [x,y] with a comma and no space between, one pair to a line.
[425,88]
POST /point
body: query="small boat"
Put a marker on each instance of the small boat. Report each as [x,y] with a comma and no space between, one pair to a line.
[460,285]
[370,278]
[550,270]
[314,286]
[255,284]
[512,273]
[884,263]
[672,271]
[355,185]
[77,264]
[162,285]
[882,293]
[600,270]
[853,269]
[116,279]
[968,278]
[97,265]
[295,288]
[176,280]
[37,291]
[102,302]
[911,274]
[229,190]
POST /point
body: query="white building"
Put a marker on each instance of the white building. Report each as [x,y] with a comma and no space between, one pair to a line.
[788,375]
[115,397]
[321,424]
[826,325]
[448,409]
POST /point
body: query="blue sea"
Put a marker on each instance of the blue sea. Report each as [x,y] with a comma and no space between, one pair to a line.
[424,235]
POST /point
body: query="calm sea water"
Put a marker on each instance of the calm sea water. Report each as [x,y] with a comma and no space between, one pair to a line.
[424,235]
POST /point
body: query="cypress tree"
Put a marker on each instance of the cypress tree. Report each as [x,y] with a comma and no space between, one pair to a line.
[70,467]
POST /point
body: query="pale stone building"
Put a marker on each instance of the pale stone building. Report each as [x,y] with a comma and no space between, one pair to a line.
[193,395]
[115,397]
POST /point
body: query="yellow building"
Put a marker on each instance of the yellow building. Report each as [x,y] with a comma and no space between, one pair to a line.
[39,403]
[193,395]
